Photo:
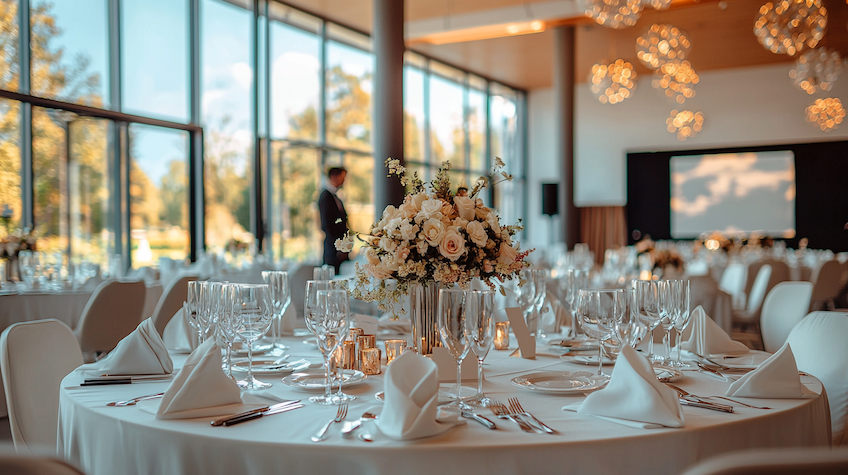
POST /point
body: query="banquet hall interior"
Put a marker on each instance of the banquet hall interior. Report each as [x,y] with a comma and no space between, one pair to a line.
[577,236]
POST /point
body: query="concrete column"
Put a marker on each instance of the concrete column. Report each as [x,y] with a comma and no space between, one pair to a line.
[387,100]
[563,61]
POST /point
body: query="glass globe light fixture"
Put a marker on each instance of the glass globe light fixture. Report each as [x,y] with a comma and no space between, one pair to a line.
[677,80]
[686,124]
[614,13]
[790,26]
[613,82]
[826,113]
[816,70]
[658,4]
[661,44]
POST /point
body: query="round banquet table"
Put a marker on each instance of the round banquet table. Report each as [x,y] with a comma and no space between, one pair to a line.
[130,440]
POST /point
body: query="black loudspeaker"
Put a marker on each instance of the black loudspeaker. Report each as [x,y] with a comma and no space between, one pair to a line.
[550,199]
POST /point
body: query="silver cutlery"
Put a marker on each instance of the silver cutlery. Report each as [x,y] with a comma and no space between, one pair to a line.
[365,433]
[275,409]
[502,412]
[135,400]
[519,410]
[706,369]
[740,402]
[688,399]
[477,417]
[227,420]
[340,416]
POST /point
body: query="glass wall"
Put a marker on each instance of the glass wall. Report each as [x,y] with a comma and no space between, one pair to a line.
[10,166]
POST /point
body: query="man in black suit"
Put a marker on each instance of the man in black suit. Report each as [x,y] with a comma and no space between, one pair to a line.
[333,217]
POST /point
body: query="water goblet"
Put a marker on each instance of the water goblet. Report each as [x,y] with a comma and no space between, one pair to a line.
[26,265]
[192,305]
[667,304]
[597,311]
[576,280]
[329,320]
[480,325]
[454,333]
[525,295]
[278,281]
[682,317]
[647,309]
[228,327]
[540,279]
[253,310]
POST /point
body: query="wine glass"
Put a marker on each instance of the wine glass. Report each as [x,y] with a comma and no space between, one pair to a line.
[330,322]
[454,333]
[525,295]
[576,280]
[26,264]
[192,305]
[480,325]
[668,297]
[682,317]
[647,308]
[253,311]
[278,281]
[540,278]
[597,311]
[629,329]
[228,326]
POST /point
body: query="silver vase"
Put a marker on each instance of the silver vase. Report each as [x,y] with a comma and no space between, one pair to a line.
[423,301]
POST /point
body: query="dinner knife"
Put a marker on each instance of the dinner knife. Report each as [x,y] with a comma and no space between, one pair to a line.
[270,412]
[706,405]
[103,382]
[223,420]
[479,418]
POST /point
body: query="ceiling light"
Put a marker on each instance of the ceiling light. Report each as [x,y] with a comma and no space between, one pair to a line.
[677,80]
[614,13]
[816,70]
[790,26]
[826,113]
[686,124]
[481,33]
[662,43]
[614,82]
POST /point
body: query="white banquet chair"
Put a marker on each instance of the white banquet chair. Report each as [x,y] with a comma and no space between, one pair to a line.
[171,301]
[733,282]
[783,308]
[113,311]
[783,461]
[34,357]
[818,342]
[830,279]
[24,464]
[297,283]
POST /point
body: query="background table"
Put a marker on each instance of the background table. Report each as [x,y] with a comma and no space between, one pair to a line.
[106,440]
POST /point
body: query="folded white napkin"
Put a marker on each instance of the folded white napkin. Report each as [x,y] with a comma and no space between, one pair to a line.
[411,400]
[707,338]
[140,352]
[634,397]
[201,388]
[179,336]
[775,378]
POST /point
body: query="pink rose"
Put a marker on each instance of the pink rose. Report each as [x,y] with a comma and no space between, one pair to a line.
[465,207]
[453,245]
[433,231]
[476,233]
[506,254]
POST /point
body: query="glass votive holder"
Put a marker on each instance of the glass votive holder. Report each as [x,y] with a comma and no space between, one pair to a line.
[349,355]
[355,333]
[370,361]
[502,335]
[364,342]
[394,348]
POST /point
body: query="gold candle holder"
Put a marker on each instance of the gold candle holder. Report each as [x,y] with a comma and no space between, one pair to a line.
[348,355]
[502,335]
[356,333]
[394,348]
[364,342]
[370,360]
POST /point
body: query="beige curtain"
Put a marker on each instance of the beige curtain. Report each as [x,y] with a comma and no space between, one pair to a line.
[602,228]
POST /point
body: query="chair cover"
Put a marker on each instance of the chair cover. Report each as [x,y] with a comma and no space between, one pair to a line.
[818,342]
[34,357]
[783,461]
[751,314]
[21,464]
[733,282]
[171,301]
[112,312]
[783,308]
[831,278]
[297,281]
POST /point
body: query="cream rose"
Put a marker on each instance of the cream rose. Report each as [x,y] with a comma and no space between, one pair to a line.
[482,212]
[344,244]
[459,222]
[433,231]
[453,245]
[422,247]
[408,231]
[492,221]
[476,233]
[388,244]
[465,207]
[372,257]
[419,200]
[378,272]
[402,252]
[506,254]
[409,210]
[448,211]
[429,209]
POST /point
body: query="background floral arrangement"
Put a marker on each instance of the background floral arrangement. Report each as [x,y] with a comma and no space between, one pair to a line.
[13,243]
[435,236]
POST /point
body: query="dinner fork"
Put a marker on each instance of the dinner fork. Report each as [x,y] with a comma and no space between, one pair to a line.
[135,400]
[692,399]
[340,416]
[518,410]
[740,402]
[502,412]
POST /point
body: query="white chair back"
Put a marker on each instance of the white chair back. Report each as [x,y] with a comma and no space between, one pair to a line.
[733,282]
[34,357]
[113,311]
[758,290]
[171,301]
[297,283]
[21,464]
[782,461]
[818,342]
[784,306]
[831,278]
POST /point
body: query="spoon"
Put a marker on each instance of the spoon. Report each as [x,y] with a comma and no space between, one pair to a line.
[365,433]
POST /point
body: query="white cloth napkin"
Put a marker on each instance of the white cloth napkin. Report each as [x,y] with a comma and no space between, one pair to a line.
[201,388]
[707,338]
[776,378]
[139,353]
[411,400]
[634,397]
[179,336]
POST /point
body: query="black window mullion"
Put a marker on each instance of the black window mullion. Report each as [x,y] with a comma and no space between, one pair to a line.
[25,59]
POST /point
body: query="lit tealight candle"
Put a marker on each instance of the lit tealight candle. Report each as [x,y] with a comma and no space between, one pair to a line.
[394,348]
[502,335]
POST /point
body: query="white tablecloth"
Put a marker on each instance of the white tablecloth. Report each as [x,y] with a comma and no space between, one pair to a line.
[107,440]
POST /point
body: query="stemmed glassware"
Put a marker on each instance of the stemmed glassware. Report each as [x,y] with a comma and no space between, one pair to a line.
[228,327]
[480,325]
[525,295]
[278,282]
[682,317]
[597,312]
[540,278]
[629,330]
[252,310]
[192,307]
[668,302]
[576,280]
[329,320]
[647,308]
[454,333]
[27,264]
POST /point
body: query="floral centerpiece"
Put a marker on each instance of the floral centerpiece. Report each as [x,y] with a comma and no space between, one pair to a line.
[437,237]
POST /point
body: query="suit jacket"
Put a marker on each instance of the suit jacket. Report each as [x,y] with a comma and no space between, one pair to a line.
[333,223]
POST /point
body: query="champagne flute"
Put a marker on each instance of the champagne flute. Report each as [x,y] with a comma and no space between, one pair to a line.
[682,317]
[667,303]
[576,280]
[454,333]
[193,308]
[525,295]
[480,325]
[540,278]
[330,322]
[228,326]
[597,311]
[278,281]
[253,310]
[647,308]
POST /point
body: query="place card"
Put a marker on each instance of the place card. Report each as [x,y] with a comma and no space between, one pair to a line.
[526,342]
[367,323]
[446,365]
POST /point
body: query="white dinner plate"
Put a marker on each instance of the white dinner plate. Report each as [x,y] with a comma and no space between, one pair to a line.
[586,359]
[666,374]
[314,380]
[240,349]
[575,345]
[750,360]
[560,382]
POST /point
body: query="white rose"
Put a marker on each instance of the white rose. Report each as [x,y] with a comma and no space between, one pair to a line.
[402,252]
[409,210]
[479,202]
[408,231]
[388,244]
[344,244]
[453,245]
[433,231]
[389,263]
[430,209]
[379,273]
[506,254]
[465,207]
[492,221]
[372,256]
[418,200]
[392,226]
[476,233]
[448,210]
